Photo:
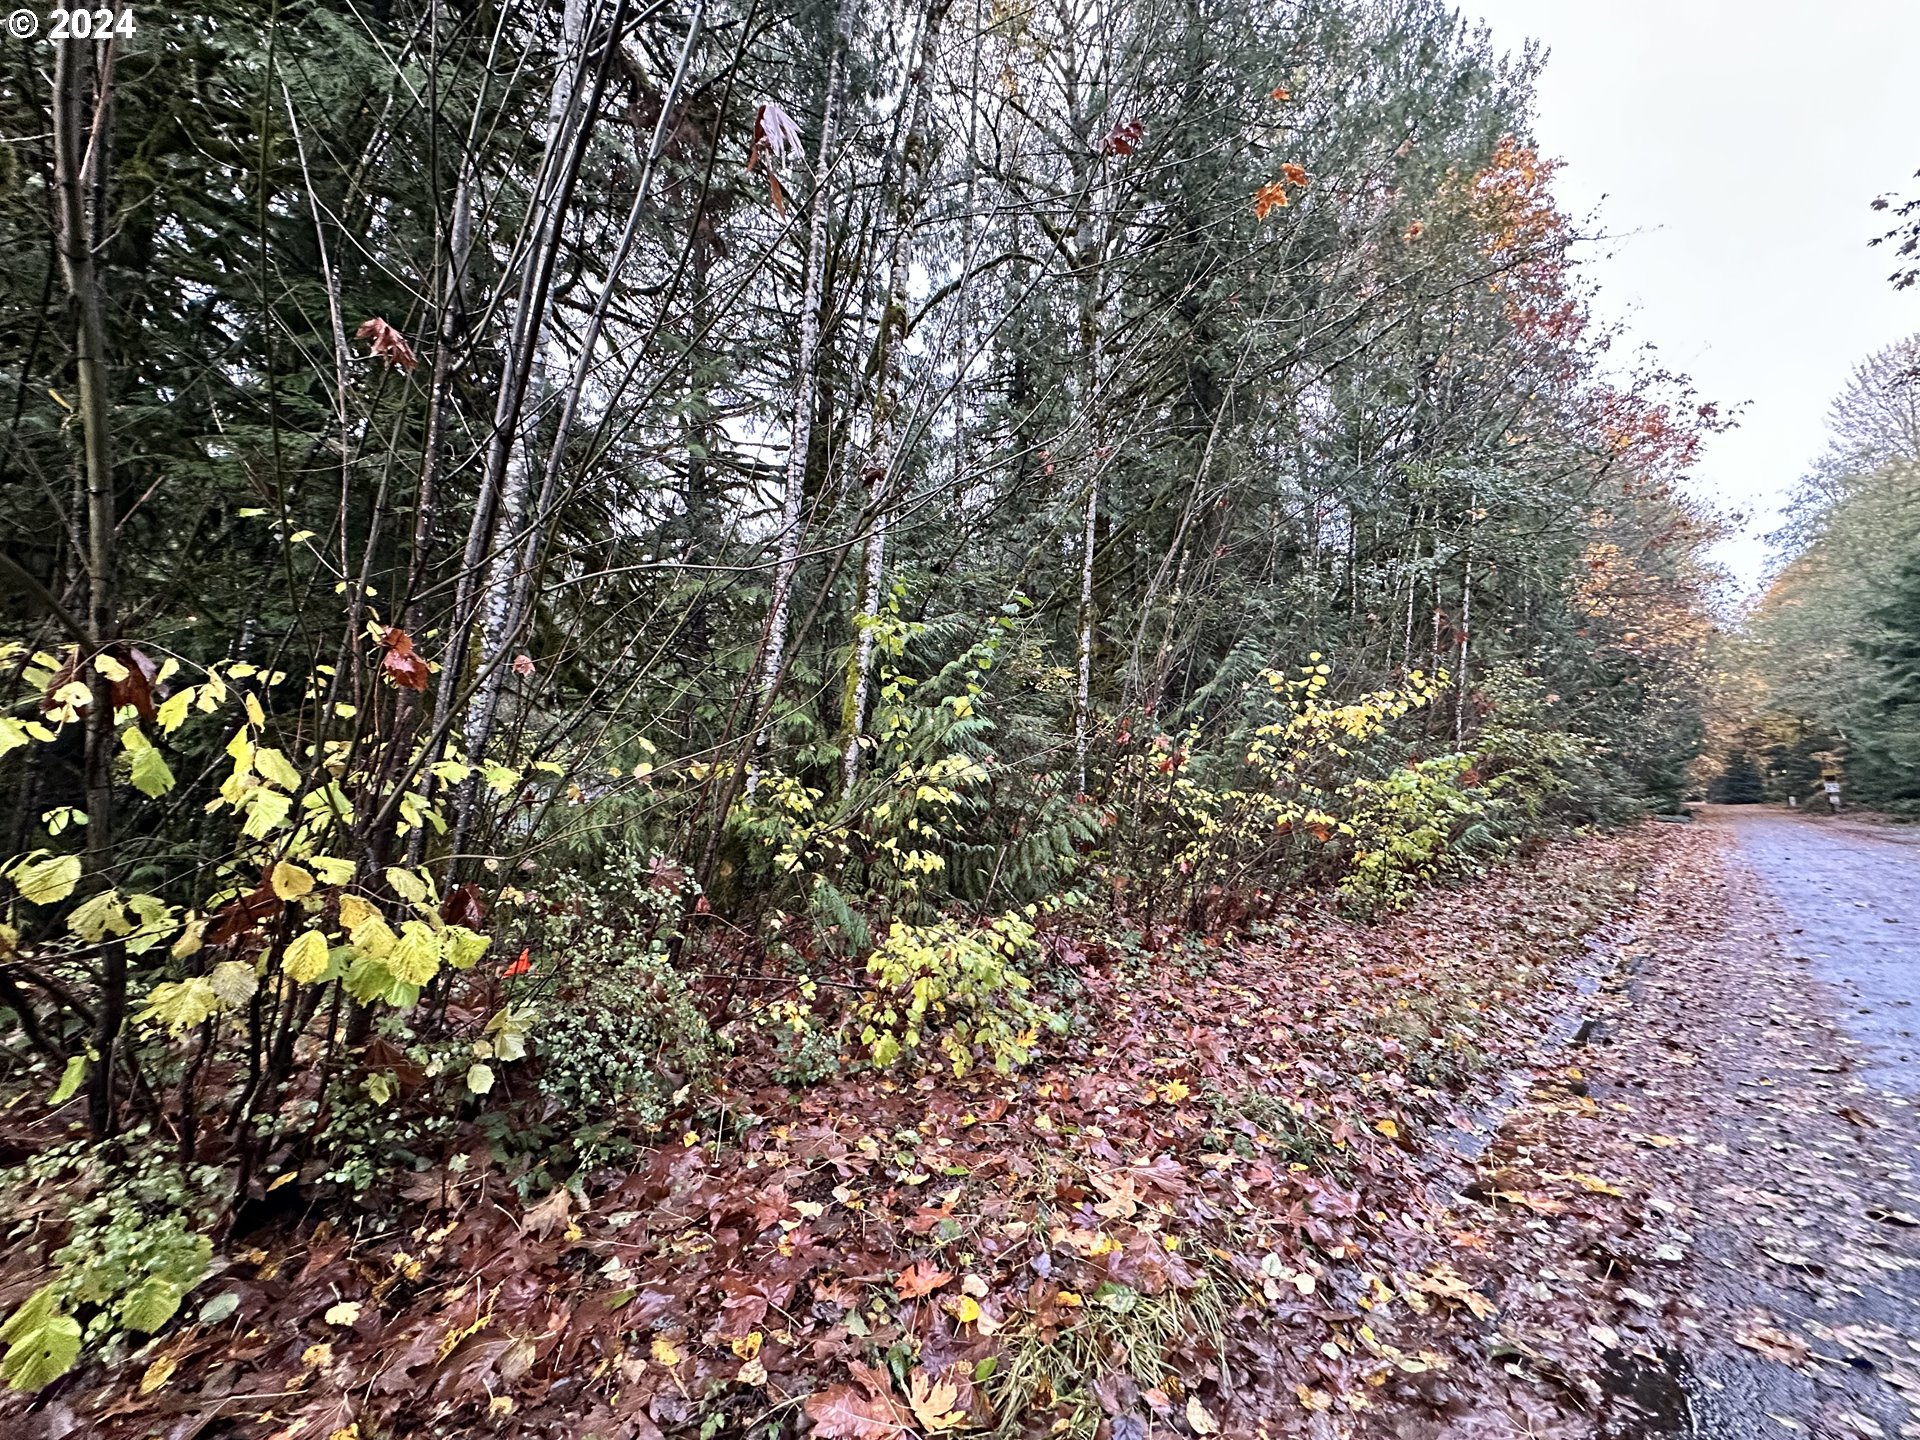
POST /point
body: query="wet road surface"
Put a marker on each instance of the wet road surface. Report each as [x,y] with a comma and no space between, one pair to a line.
[1787,985]
[1851,890]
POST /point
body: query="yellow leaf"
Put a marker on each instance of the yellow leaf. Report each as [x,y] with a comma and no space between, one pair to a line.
[275,767]
[306,958]
[1387,1128]
[407,885]
[664,1353]
[934,1402]
[331,871]
[46,882]
[290,882]
[355,912]
[158,1373]
[347,1312]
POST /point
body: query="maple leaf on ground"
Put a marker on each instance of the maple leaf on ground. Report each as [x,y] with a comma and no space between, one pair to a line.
[844,1412]
[922,1278]
[551,1213]
[386,343]
[403,666]
[935,1402]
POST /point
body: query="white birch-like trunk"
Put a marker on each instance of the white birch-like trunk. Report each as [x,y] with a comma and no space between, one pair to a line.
[773,656]
[883,449]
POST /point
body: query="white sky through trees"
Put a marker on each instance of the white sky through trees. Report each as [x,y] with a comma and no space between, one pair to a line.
[1730,149]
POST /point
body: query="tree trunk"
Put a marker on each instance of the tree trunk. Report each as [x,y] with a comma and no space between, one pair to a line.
[80,167]
[883,449]
[773,651]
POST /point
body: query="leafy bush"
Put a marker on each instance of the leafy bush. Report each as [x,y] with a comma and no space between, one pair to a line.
[614,1025]
[134,1249]
[1404,829]
[958,986]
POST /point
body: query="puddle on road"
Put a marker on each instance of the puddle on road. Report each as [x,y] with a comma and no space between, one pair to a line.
[1648,1396]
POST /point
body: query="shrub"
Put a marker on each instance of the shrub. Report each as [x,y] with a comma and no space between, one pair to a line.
[134,1249]
[614,1025]
[958,986]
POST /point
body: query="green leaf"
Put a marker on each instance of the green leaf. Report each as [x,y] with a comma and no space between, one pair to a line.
[151,1304]
[151,777]
[266,812]
[70,1079]
[461,948]
[180,1004]
[416,959]
[509,1029]
[156,922]
[42,1344]
[46,882]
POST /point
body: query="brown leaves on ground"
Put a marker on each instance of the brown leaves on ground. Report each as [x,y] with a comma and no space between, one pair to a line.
[1208,1145]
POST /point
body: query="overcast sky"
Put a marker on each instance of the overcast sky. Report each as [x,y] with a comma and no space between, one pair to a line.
[1731,149]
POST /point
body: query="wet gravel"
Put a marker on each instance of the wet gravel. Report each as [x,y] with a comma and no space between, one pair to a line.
[1850,891]
[1772,1024]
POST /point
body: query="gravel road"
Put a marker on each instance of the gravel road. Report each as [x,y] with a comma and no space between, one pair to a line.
[1851,892]
[1786,975]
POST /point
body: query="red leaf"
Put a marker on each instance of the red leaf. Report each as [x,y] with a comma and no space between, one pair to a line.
[1296,175]
[1123,139]
[247,913]
[403,667]
[386,343]
[520,966]
[463,906]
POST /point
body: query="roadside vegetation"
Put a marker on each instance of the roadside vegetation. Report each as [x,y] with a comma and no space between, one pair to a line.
[859,711]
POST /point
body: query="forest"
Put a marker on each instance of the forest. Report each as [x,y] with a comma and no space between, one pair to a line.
[590,588]
[1824,673]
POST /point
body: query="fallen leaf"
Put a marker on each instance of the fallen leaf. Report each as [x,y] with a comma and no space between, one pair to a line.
[921,1278]
[1197,1416]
